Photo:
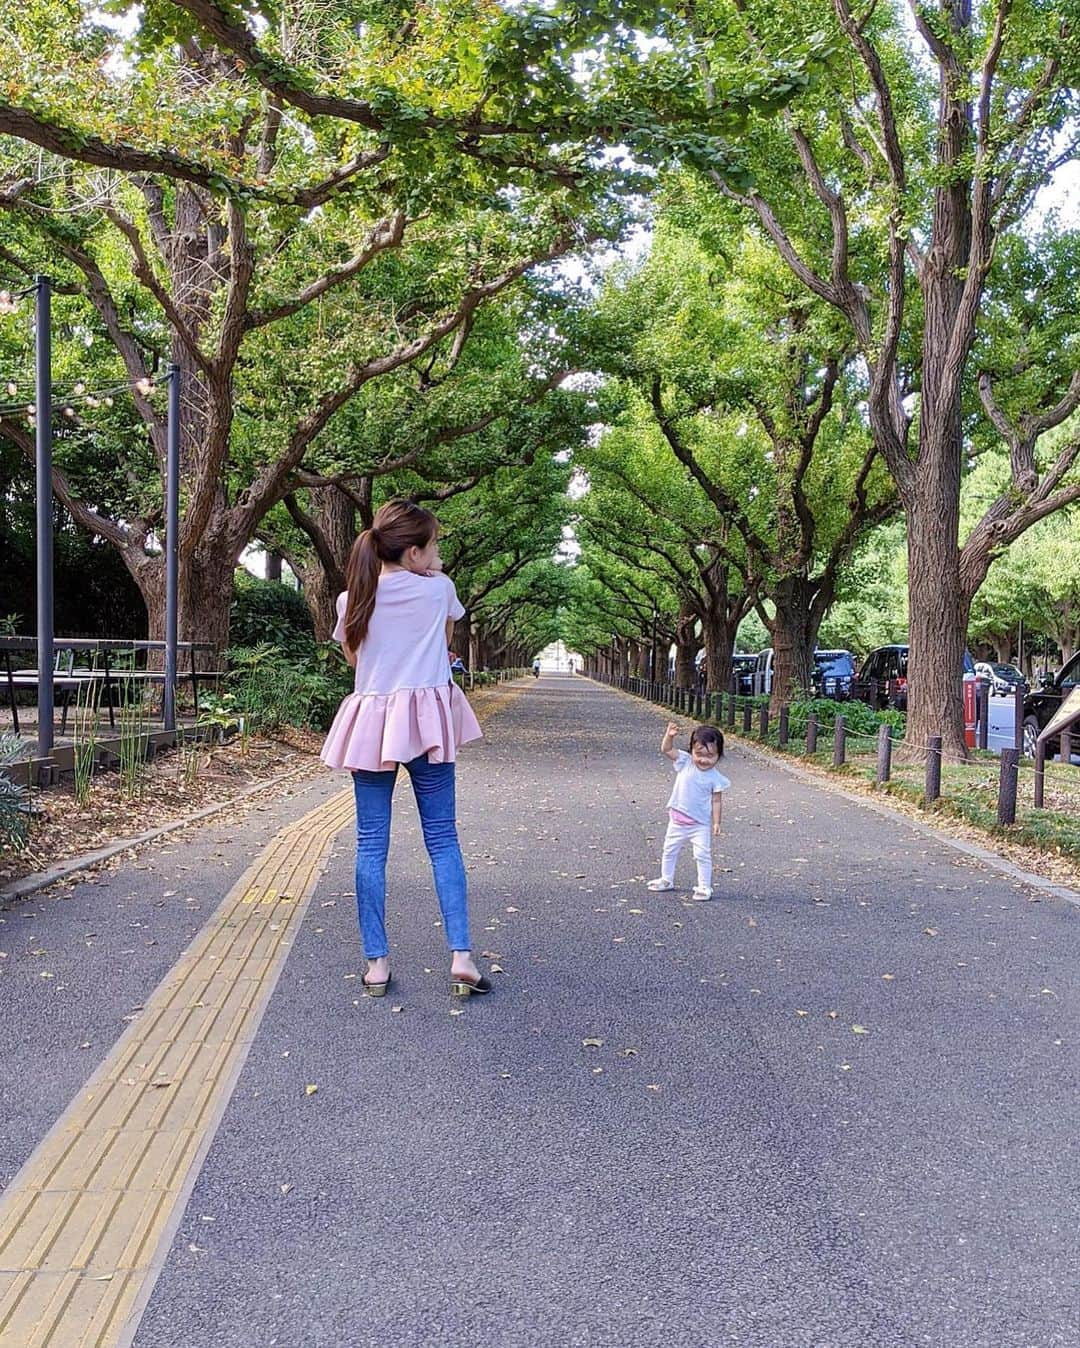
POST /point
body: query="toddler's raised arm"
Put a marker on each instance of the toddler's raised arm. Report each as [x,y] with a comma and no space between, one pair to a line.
[667,744]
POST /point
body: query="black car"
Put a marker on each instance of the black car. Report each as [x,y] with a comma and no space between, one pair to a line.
[1041,705]
[742,667]
[883,678]
[834,674]
[882,670]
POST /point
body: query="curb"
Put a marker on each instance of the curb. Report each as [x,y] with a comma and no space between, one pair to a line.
[30,884]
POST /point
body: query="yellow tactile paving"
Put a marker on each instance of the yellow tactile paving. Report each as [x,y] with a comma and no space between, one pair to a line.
[85,1222]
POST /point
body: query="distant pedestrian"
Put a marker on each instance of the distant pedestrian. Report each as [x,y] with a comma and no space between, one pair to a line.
[394,624]
[695,805]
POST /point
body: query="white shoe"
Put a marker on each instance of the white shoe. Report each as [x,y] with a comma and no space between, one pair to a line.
[659,886]
[701,893]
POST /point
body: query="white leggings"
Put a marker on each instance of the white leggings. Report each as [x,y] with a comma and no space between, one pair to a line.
[701,839]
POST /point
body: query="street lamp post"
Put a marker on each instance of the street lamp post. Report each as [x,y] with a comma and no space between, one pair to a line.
[44,542]
[172,544]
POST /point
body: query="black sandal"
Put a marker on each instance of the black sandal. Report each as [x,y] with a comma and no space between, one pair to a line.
[460,986]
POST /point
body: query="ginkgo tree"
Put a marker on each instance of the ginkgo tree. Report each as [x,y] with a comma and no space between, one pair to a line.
[741,429]
[902,189]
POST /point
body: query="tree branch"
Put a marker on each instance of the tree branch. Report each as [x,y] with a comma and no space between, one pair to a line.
[388,233]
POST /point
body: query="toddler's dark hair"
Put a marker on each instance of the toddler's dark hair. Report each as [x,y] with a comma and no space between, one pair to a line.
[706,735]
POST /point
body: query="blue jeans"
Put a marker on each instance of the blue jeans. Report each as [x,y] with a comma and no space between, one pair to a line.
[433,787]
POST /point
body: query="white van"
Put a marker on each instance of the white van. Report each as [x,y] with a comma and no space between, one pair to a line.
[763,672]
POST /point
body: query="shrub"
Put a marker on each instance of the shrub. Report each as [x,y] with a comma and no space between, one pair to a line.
[859,717]
[268,612]
[271,688]
[14,799]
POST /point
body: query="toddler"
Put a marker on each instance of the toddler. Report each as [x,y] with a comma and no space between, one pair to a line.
[694,806]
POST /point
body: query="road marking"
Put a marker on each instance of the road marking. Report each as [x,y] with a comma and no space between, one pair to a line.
[87,1222]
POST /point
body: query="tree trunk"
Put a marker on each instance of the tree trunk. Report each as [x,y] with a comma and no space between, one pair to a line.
[685,649]
[938,609]
[273,566]
[330,523]
[205,599]
[794,637]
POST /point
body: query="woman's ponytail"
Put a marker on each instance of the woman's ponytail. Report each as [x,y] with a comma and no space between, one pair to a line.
[398,525]
[361,577]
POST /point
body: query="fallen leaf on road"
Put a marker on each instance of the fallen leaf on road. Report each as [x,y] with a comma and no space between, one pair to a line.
[652,1087]
[802,1013]
[930,931]
[888,977]
[310,1090]
[592,1043]
[859,1029]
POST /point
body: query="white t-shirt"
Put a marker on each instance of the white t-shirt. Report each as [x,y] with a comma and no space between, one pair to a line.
[693,790]
[405,646]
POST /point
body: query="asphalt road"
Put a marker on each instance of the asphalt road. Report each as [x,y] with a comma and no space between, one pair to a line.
[837,1106]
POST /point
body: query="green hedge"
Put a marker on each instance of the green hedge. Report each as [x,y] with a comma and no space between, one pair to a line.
[266,612]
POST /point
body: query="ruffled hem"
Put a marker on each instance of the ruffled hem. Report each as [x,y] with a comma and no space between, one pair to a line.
[376,731]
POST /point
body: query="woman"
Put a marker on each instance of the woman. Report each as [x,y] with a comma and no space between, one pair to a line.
[394,624]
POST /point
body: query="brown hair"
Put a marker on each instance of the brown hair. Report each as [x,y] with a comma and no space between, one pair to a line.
[707,736]
[397,526]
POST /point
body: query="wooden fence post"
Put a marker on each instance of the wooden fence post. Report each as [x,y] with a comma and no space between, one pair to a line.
[884,754]
[763,720]
[933,769]
[1066,746]
[811,734]
[1040,775]
[747,712]
[839,743]
[1010,764]
[782,732]
[731,709]
[718,706]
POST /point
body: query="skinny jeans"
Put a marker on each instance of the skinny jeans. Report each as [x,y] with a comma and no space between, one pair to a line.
[433,787]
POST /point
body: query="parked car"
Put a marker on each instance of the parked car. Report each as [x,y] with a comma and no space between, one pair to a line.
[883,680]
[1001,678]
[834,673]
[1041,704]
[742,666]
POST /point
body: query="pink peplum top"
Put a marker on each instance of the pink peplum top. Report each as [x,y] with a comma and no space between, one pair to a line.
[405,702]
